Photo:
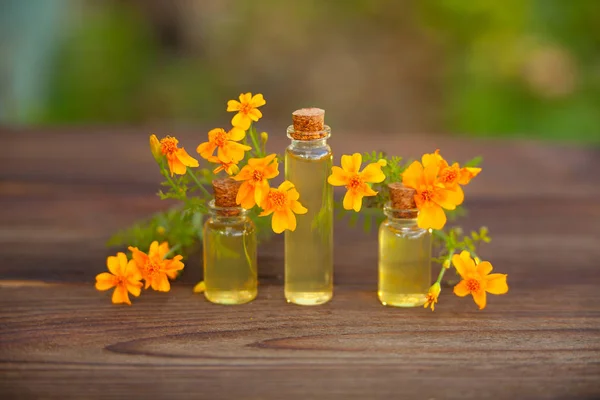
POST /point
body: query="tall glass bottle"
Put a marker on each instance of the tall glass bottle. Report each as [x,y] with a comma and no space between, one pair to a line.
[309,249]
[230,272]
[404,252]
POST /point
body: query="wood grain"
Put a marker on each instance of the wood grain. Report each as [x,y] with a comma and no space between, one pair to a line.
[63,192]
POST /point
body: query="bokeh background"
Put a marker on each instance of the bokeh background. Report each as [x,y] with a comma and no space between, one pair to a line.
[520,68]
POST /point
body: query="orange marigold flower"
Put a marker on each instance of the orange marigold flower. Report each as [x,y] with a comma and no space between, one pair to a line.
[283,204]
[432,296]
[432,197]
[226,143]
[155,268]
[476,279]
[451,176]
[124,277]
[255,175]
[229,167]
[355,181]
[247,109]
[177,158]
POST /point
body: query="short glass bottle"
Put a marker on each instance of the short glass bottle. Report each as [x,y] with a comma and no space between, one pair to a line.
[309,248]
[404,259]
[230,272]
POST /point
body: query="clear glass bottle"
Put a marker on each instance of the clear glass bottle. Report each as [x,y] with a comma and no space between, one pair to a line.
[230,273]
[309,249]
[404,259]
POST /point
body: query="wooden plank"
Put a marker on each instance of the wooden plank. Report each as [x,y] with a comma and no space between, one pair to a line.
[67,340]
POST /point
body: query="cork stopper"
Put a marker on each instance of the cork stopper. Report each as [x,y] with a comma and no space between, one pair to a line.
[403,198]
[308,123]
[226,190]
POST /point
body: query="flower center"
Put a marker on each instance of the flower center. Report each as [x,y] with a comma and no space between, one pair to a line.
[151,268]
[168,145]
[119,280]
[448,175]
[246,108]
[426,195]
[355,182]
[221,138]
[277,199]
[473,285]
[257,176]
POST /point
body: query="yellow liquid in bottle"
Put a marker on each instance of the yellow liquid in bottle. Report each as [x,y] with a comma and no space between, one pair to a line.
[230,273]
[404,265]
[309,249]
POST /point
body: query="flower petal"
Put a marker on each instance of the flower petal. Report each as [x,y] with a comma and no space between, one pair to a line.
[291,220]
[185,158]
[257,100]
[338,177]
[413,175]
[349,200]
[279,221]
[285,186]
[431,217]
[352,163]
[246,98]
[176,166]
[135,288]
[133,271]
[261,190]
[496,283]
[161,283]
[236,134]
[112,262]
[241,121]
[467,262]
[233,105]
[431,158]
[484,268]
[298,208]
[105,281]
[480,298]
[255,114]
[120,295]
[461,289]
[357,202]
[206,149]
[468,173]
[430,173]
[372,173]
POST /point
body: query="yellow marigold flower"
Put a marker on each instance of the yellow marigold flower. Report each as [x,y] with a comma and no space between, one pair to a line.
[283,204]
[355,181]
[155,268]
[200,287]
[124,277]
[431,197]
[247,109]
[155,148]
[177,158]
[432,296]
[476,279]
[255,175]
[226,143]
[229,167]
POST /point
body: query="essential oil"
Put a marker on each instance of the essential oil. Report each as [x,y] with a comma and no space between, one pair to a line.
[309,249]
[404,252]
[230,272]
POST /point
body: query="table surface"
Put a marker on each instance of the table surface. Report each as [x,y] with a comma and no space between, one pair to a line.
[64,191]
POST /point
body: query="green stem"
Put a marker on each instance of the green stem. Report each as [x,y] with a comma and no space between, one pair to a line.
[443,271]
[252,132]
[172,250]
[195,179]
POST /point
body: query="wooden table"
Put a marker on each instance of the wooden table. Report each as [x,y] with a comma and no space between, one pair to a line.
[63,192]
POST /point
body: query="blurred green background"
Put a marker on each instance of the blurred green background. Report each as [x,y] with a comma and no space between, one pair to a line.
[523,68]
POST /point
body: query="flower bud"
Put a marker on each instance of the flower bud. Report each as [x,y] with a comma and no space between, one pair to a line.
[264,136]
[446,264]
[382,162]
[155,148]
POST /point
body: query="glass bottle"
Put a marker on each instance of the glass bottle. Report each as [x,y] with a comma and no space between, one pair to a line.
[230,272]
[309,249]
[404,254]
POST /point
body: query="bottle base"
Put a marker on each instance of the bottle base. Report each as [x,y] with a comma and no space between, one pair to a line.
[402,300]
[230,297]
[308,298]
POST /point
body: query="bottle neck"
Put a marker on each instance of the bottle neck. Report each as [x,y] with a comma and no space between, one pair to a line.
[227,214]
[401,218]
[312,141]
